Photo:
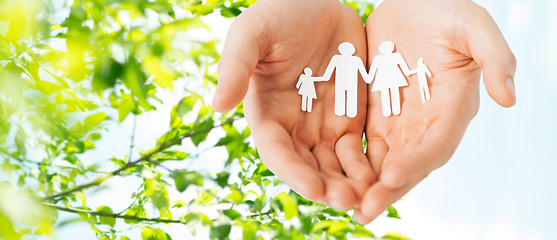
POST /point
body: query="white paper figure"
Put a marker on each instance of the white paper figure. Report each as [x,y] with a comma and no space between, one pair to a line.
[346,79]
[307,88]
[423,72]
[388,77]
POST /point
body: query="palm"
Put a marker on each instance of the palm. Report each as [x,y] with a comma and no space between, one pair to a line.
[425,135]
[309,151]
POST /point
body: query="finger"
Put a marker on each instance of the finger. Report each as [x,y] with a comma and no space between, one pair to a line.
[359,187]
[306,155]
[492,53]
[326,157]
[378,198]
[279,155]
[340,194]
[351,156]
[360,217]
[377,149]
[238,61]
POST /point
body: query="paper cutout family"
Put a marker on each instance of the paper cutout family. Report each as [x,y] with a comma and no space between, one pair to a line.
[384,71]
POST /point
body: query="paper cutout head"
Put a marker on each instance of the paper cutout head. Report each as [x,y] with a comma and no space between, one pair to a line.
[386,47]
[308,71]
[346,49]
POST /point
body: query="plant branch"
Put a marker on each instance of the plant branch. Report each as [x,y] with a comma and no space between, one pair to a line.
[132,138]
[114,215]
[146,157]
[29,161]
[267,213]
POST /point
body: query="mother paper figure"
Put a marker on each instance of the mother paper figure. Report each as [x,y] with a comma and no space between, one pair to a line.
[388,77]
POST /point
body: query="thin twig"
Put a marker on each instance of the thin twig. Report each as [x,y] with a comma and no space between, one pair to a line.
[114,215]
[267,213]
[147,157]
[132,138]
[29,161]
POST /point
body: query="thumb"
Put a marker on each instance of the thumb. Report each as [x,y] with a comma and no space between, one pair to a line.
[239,59]
[492,53]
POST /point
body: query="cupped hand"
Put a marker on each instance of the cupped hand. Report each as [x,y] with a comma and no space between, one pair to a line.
[457,40]
[317,154]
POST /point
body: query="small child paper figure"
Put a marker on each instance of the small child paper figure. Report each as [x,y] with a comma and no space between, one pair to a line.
[307,88]
[388,78]
[423,72]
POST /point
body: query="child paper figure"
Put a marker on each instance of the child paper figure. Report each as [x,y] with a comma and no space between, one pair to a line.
[346,79]
[388,77]
[423,72]
[307,88]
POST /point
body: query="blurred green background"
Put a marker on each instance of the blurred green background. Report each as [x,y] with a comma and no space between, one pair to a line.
[104,123]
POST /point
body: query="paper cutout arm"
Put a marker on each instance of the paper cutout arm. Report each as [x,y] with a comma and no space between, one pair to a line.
[299,81]
[329,72]
[372,71]
[319,79]
[363,72]
[427,71]
[413,71]
[403,65]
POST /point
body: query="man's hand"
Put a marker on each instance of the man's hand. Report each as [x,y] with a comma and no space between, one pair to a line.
[457,39]
[317,154]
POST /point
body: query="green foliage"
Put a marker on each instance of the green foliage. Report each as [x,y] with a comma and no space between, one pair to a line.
[71,73]
[106,220]
[364,8]
[183,178]
[392,212]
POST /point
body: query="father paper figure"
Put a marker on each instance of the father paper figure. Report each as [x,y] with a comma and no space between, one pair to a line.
[346,79]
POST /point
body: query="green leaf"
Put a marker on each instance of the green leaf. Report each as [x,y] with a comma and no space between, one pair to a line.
[229,12]
[186,105]
[394,236]
[183,178]
[202,129]
[91,219]
[126,106]
[249,229]
[111,221]
[232,214]
[81,198]
[263,171]
[222,178]
[289,206]
[106,72]
[137,211]
[392,212]
[160,198]
[204,198]
[149,233]
[20,139]
[134,79]
[220,231]
[171,155]
[92,121]
[235,196]
[361,232]
[178,204]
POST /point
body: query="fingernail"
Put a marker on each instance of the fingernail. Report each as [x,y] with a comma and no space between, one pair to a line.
[510,85]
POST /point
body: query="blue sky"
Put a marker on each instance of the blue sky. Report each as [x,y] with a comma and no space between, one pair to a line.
[500,184]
